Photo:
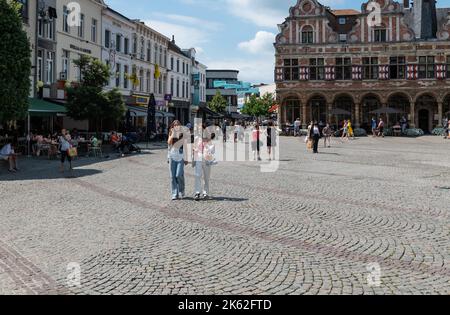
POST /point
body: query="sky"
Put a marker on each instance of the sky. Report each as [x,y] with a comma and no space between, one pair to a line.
[227,34]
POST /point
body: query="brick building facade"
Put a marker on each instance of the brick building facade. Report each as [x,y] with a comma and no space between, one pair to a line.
[344,64]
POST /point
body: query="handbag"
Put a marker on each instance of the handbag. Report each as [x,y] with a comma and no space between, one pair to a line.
[72,152]
[309,145]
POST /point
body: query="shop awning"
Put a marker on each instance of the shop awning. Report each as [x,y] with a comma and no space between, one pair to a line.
[139,111]
[210,113]
[39,107]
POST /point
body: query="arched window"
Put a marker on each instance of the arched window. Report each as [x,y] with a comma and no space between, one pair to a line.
[307,35]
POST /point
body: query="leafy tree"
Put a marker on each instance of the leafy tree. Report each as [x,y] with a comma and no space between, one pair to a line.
[218,104]
[87,100]
[258,106]
[15,63]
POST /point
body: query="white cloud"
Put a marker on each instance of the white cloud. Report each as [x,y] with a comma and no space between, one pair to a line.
[185,36]
[190,20]
[261,44]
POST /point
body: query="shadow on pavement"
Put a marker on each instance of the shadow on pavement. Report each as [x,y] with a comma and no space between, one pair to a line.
[218,199]
[48,174]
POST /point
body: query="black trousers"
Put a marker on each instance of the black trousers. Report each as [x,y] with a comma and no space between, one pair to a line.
[316,139]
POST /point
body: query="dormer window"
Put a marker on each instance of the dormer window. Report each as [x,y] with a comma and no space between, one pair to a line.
[342,21]
[307,35]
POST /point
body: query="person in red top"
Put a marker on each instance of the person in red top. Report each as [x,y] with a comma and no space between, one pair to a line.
[115,140]
[256,142]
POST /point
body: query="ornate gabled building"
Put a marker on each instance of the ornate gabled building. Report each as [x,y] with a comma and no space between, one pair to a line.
[333,65]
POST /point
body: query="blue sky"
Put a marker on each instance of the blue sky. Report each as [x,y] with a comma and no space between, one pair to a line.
[235,34]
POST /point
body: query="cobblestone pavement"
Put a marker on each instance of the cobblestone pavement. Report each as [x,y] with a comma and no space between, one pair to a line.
[313,227]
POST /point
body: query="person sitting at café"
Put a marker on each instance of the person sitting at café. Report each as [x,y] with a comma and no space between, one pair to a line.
[115,140]
[7,154]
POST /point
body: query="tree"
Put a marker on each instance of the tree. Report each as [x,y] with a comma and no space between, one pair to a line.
[87,100]
[218,104]
[258,106]
[15,63]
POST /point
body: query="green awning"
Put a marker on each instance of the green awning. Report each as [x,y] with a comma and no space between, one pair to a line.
[40,107]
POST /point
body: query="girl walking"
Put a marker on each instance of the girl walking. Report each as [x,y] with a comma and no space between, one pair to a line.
[177,160]
[203,160]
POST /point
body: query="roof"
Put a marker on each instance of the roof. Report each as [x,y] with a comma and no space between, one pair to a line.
[345,12]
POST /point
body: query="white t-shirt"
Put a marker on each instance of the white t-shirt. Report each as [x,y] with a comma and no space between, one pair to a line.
[65,145]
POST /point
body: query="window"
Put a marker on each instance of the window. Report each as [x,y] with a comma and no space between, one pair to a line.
[135,44]
[165,58]
[149,51]
[307,35]
[107,38]
[426,67]
[50,29]
[160,56]
[40,27]
[66,62]
[343,69]
[142,48]
[183,68]
[397,68]
[316,69]
[94,31]
[160,85]
[24,10]
[182,90]
[81,26]
[342,20]
[448,67]
[291,72]
[379,35]
[148,81]
[126,46]
[178,88]
[171,63]
[118,74]
[118,43]
[171,85]
[156,55]
[50,64]
[342,38]
[66,27]
[125,77]
[40,68]
[187,69]
[370,68]
[155,85]
[187,89]
[141,80]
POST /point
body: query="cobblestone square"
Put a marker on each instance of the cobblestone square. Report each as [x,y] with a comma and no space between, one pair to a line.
[371,216]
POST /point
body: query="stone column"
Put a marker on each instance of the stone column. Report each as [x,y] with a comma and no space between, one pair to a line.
[329,109]
[412,123]
[440,112]
[304,119]
[357,115]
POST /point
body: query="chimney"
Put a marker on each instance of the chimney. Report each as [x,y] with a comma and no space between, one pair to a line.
[173,39]
[406,4]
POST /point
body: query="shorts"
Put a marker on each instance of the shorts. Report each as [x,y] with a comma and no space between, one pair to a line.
[65,156]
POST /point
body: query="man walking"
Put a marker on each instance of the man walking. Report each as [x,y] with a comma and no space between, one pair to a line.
[297,125]
[327,133]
